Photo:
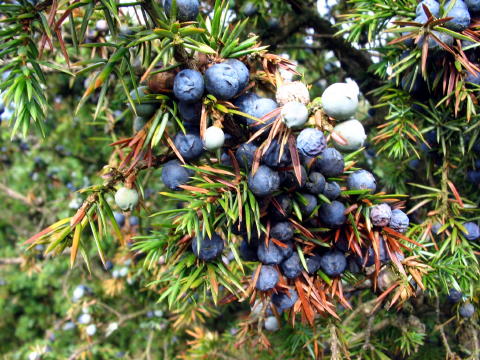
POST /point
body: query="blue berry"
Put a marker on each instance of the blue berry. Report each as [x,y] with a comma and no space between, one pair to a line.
[272,158]
[190,112]
[315,183]
[187,10]
[248,250]
[313,263]
[134,221]
[119,218]
[174,174]
[466,310]
[242,72]
[267,279]
[245,104]
[460,14]
[188,86]
[284,301]
[399,221]
[473,5]
[245,155]
[332,190]
[330,162]
[454,296]
[210,248]
[333,263]
[473,231]
[264,182]
[432,5]
[308,203]
[361,180]
[311,142]
[190,146]
[292,267]
[332,215]
[222,81]
[271,255]
[282,231]
[259,108]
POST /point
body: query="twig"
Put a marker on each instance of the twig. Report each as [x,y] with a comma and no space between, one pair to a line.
[11,261]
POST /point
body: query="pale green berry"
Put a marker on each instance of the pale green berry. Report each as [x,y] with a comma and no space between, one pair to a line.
[126,199]
[352,132]
[294,114]
[214,138]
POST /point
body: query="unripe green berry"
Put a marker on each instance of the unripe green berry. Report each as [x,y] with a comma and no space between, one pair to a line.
[126,199]
[214,138]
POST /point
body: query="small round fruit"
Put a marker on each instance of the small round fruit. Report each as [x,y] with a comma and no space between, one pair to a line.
[332,214]
[380,214]
[267,278]
[361,180]
[271,324]
[242,72]
[210,248]
[315,183]
[332,190]
[248,250]
[454,296]
[188,86]
[292,91]
[472,231]
[294,114]
[190,112]
[188,145]
[260,107]
[272,155]
[284,301]
[174,175]
[282,231]
[313,264]
[399,221]
[222,81]
[214,138]
[352,132]
[264,182]
[311,142]
[333,263]
[119,218]
[126,199]
[460,14]
[330,162]
[187,10]
[292,267]
[271,254]
[432,5]
[308,204]
[340,100]
[245,154]
[143,107]
[466,310]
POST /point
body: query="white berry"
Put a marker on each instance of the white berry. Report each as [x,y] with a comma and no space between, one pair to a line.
[126,199]
[214,138]
[352,133]
[294,114]
[340,100]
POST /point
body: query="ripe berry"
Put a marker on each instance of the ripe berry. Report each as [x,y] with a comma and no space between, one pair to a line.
[454,296]
[119,218]
[190,112]
[460,14]
[187,10]
[214,138]
[352,133]
[245,154]
[210,248]
[126,199]
[473,231]
[473,6]
[248,250]
[333,263]
[259,108]
[222,81]
[282,231]
[432,5]
[189,86]
[245,104]
[288,179]
[174,175]
[315,183]
[189,145]
[361,180]
[332,215]
[292,267]
[330,162]
[242,72]
[308,203]
[284,301]
[399,221]
[466,310]
[311,142]
[380,214]
[267,279]
[272,155]
[340,100]
[294,114]
[264,182]
[332,190]
[313,264]
[271,255]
